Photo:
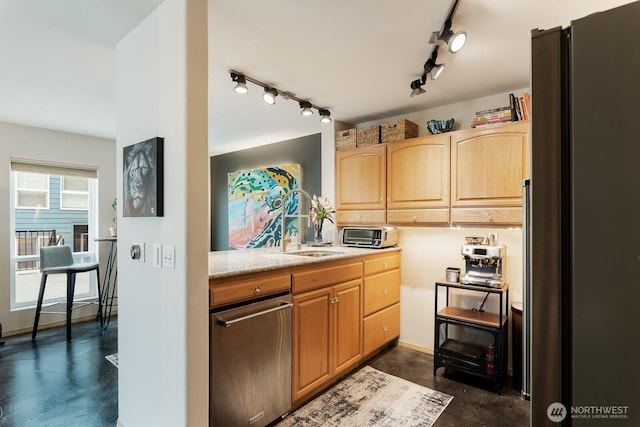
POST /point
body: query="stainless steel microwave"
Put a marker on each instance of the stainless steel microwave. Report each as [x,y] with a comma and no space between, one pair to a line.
[369,237]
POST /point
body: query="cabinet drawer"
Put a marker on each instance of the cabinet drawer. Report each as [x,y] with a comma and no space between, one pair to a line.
[380,328]
[381,290]
[319,277]
[418,216]
[382,263]
[511,215]
[361,217]
[247,288]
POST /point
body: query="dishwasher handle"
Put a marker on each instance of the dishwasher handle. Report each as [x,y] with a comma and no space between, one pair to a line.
[227,323]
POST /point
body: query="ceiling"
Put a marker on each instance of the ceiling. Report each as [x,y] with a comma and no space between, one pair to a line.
[356,58]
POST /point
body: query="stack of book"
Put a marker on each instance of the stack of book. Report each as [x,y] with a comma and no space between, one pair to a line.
[489,117]
[520,107]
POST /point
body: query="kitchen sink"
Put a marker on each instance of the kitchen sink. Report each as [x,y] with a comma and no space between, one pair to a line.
[313,253]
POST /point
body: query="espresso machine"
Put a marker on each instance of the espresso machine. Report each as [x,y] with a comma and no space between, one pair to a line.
[484,265]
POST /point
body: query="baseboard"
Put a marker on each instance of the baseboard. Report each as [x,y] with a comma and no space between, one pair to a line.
[415,347]
[50,325]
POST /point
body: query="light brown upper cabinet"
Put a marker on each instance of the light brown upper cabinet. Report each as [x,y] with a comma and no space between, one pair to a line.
[487,169]
[418,172]
[361,182]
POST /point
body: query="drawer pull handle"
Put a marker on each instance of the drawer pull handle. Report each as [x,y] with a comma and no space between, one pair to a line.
[256,290]
[385,291]
[384,328]
[332,300]
[384,265]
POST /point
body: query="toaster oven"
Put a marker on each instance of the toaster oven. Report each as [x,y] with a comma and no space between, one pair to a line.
[369,237]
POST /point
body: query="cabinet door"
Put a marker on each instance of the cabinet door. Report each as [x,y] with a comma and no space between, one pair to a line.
[418,173]
[348,324]
[361,178]
[488,165]
[311,340]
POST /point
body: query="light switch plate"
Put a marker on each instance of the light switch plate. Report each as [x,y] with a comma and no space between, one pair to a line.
[157,256]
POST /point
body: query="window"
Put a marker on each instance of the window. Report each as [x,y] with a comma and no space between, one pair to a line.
[50,206]
[32,190]
[74,192]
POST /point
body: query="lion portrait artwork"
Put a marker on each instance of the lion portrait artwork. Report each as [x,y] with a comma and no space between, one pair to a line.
[142,178]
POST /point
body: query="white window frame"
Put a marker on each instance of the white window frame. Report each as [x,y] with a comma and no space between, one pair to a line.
[47,191]
[90,255]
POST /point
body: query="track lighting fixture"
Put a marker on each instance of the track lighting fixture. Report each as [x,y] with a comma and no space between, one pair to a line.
[455,41]
[241,83]
[270,94]
[416,88]
[325,116]
[306,108]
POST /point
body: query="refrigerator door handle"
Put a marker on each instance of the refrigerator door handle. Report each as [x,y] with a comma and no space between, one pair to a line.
[526,289]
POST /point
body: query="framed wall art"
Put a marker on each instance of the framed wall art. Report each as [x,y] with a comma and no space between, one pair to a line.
[255,201]
[143,175]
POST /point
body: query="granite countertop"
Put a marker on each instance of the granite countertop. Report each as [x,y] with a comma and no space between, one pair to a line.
[243,261]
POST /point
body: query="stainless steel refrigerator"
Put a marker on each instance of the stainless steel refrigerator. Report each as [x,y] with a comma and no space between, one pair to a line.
[583,240]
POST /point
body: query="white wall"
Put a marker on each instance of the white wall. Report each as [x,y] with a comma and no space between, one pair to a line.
[23,142]
[426,254]
[163,313]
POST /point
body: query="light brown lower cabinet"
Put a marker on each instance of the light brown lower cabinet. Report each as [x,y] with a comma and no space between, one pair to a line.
[381,323]
[338,308]
[327,333]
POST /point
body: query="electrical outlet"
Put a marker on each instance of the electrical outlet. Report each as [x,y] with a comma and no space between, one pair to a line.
[168,256]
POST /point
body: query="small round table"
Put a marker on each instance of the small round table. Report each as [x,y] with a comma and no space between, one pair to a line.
[108,291]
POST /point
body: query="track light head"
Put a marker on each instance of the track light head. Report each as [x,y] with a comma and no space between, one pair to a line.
[432,67]
[325,116]
[416,88]
[241,83]
[306,108]
[269,95]
[455,41]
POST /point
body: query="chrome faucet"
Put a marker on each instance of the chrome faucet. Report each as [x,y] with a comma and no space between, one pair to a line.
[283,213]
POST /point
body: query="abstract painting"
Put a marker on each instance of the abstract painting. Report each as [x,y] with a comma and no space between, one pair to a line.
[255,199]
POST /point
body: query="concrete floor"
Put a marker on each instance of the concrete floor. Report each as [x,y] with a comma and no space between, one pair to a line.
[473,404]
[49,382]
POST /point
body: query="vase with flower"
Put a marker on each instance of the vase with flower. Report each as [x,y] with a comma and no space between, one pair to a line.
[321,209]
[114,229]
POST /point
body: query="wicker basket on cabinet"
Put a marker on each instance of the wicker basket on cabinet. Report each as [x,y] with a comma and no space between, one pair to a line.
[397,130]
[346,139]
[368,136]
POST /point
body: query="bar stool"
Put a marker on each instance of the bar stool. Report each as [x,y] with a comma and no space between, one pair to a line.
[59,260]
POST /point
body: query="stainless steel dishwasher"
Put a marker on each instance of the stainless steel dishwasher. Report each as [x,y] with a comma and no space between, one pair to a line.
[250,372]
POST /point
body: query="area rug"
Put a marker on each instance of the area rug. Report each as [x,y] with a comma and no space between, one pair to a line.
[372,398]
[113,358]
